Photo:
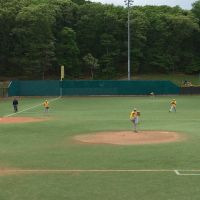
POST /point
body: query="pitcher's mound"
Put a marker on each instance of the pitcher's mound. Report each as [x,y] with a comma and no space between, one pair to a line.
[130,138]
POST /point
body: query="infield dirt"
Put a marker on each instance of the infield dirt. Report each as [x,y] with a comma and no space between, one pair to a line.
[8,120]
[130,138]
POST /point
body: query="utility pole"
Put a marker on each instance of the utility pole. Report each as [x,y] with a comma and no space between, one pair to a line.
[129,3]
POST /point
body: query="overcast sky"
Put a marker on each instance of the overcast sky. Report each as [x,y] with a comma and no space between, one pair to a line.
[185,4]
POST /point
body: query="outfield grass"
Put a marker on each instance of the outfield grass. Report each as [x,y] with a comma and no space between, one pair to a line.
[50,145]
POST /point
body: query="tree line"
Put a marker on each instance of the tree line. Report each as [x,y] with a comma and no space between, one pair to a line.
[90,39]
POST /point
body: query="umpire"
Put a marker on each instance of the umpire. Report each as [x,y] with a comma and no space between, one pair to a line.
[15,105]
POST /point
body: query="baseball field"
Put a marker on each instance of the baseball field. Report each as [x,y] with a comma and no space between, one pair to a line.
[42,156]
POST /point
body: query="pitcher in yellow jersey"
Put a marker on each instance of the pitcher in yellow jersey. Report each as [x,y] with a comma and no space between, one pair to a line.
[173,106]
[46,106]
[134,117]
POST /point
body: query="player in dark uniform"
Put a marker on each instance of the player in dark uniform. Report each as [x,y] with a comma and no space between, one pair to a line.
[15,105]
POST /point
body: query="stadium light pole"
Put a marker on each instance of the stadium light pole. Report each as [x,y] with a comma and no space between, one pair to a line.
[129,3]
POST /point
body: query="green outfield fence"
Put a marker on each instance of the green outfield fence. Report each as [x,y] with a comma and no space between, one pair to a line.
[84,88]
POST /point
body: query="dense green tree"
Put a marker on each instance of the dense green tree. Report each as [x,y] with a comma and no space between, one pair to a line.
[65,14]
[92,63]
[139,26]
[196,8]
[34,48]
[37,36]
[194,66]
[67,50]
[8,12]
[180,41]
[170,40]
[109,56]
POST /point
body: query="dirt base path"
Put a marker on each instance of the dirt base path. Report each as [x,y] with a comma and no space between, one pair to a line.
[130,138]
[8,120]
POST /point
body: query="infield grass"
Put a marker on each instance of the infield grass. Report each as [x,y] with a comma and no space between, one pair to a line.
[50,145]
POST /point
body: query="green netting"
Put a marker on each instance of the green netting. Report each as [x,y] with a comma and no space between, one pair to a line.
[118,87]
[34,88]
[56,88]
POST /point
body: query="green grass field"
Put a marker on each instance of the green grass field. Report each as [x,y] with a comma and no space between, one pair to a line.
[50,145]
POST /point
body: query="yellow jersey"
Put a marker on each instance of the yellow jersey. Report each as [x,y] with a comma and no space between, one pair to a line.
[46,104]
[133,114]
[173,103]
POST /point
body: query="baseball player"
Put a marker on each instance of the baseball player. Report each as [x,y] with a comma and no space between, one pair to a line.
[173,106]
[46,106]
[152,94]
[15,105]
[134,117]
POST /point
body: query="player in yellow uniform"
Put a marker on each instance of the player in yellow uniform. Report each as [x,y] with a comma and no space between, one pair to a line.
[134,117]
[46,106]
[173,106]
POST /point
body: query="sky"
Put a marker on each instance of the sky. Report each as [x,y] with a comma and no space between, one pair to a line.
[185,4]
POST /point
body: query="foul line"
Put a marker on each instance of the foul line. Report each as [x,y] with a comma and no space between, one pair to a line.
[187,174]
[177,172]
[78,170]
[30,108]
[89,170]
[84,170]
